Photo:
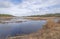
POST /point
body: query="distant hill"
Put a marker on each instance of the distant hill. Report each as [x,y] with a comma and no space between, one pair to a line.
[5,15]
[47,15]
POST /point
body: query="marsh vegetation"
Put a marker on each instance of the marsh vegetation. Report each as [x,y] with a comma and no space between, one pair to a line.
[30,27]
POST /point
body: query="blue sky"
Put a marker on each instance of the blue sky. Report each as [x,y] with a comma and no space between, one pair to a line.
[16,2]
[29,7]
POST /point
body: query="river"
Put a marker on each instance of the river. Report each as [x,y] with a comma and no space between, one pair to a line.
[13,29]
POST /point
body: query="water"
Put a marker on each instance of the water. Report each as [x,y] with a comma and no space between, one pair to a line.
[13,29]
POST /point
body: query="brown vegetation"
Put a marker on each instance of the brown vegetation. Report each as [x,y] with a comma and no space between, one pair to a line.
[49,31]
[40,18]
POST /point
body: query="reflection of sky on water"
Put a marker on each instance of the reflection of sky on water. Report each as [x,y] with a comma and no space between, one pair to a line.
[20,28]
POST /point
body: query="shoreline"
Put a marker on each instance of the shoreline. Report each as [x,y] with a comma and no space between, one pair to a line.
[49,30]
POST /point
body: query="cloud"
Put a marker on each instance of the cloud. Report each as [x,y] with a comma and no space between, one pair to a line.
[29,7]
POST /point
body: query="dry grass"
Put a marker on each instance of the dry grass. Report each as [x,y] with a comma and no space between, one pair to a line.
[39,18]
[49,31]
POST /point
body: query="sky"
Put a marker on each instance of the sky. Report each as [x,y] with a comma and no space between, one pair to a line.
[29,7]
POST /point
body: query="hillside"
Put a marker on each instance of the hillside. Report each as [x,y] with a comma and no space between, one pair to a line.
[49,31]
[46,15]
[5,15]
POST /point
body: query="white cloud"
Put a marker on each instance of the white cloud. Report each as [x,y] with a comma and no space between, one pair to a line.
[29,7]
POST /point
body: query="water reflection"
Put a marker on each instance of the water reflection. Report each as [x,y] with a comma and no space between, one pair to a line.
[12,29]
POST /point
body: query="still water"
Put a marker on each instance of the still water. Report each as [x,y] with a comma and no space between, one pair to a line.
[12,29]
